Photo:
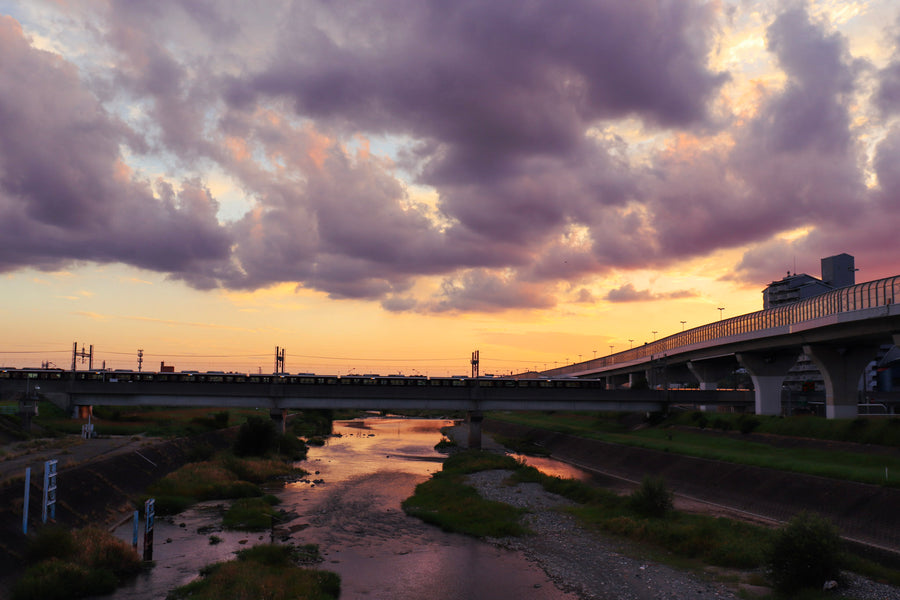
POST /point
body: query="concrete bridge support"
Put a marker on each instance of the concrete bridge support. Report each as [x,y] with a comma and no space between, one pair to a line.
[709,372]
[279,415]
[614,382]
[841,368]
[767,370]
[475,418]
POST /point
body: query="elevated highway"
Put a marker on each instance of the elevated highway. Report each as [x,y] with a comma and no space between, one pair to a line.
[841,331]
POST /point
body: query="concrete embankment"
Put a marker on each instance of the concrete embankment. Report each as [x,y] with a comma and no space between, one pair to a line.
[97,492]
[868,513]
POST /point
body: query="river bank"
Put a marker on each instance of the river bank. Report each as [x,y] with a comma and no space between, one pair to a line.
[867,513]
[595,566]
[96,481]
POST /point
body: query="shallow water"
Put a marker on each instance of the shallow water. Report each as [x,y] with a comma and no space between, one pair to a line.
[350,506]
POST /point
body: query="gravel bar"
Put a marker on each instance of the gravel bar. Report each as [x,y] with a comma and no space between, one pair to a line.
[592,566]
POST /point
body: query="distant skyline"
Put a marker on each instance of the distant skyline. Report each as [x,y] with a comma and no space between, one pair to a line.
[386,187]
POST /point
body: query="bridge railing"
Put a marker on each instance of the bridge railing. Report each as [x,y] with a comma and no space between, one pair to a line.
[872,294]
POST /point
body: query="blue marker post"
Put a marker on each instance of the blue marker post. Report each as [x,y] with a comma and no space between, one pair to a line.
[134,537]
[25,506]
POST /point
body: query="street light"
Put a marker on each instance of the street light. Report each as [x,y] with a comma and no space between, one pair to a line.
[595,354]
[630,343]
[682,325]
[611,348]
[654,336]
[720,309]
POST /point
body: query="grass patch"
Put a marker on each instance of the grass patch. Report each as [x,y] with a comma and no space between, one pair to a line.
[251,514]
[166,422]
[837,464]
[224,477]
[681,539]
[446,501]
[264,571]
[67,564]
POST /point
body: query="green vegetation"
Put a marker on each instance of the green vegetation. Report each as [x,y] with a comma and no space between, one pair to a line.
[445,500]
[257,436]
[652,499]
[645,517]
[805,553]
[251,514]
[263,571]
[73,564]
[224,477]
[160,421]
[683,434]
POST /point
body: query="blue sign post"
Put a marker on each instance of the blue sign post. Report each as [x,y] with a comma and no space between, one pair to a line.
[134,537]
[149,513]
[27,497]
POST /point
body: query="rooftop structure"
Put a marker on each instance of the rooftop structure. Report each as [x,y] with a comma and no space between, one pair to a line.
[837,271]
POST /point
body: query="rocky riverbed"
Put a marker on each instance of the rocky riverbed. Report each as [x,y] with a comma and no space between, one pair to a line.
[596,567]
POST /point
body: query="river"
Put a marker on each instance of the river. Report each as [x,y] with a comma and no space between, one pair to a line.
[350,506]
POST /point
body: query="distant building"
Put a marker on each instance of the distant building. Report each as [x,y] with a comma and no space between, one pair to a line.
[804,379]
[837,271]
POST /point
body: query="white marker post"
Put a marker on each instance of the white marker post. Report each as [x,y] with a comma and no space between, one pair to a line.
[49,503]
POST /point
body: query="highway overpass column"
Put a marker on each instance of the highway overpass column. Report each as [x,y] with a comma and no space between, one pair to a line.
[841,368]
[709,372]
[767,370]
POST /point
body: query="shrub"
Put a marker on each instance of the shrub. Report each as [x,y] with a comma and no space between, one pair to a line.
[652,499]
[747,424]
[50,542]
[256,437]
[722,423]
[84,562]
[805,553]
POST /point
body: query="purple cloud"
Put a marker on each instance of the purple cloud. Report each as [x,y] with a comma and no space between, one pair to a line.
[501,108]
[64,190]
[628,293]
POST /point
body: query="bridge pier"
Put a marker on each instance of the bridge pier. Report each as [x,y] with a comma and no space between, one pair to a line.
[709,372]
[279,415]
[474,419]
[767,370]
[841,368]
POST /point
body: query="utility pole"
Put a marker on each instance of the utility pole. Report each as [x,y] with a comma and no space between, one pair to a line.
[475,363]
[279,360]
[76,354]
[140,358]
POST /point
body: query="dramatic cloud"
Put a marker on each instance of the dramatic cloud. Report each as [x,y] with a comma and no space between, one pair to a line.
[65,191]
[489,151]
[628,293]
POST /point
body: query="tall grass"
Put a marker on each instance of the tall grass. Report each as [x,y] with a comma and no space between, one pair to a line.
[224,477]
[264,571]
[74,564]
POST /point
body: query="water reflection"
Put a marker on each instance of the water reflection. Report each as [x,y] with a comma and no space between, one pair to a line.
[350,506]
[554,468]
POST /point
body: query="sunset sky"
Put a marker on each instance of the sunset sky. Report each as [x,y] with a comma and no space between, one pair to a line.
[383,187]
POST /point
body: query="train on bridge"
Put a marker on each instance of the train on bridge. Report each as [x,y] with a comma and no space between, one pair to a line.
[124,376]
